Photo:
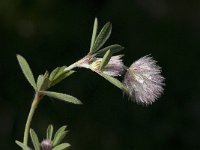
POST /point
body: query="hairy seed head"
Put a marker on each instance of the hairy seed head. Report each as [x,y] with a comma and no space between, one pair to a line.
[143,81]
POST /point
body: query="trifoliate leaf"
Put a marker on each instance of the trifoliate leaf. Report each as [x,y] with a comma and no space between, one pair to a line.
[49,132]
[22,145]
[61,96]
[42,83]
[113,48]
[59,135]
[94,33]
[61,146]
[35,139]
[105,59]
[27,71]
[114,81]
[102,37]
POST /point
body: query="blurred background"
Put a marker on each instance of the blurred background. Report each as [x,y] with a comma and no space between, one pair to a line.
[50,33]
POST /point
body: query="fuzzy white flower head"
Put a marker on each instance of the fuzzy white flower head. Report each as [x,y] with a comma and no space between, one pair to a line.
[143,81]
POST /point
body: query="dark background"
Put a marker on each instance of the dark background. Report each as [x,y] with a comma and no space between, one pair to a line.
[50,33]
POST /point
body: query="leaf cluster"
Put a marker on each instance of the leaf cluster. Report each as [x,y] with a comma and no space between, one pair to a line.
[55,139]
[47,80]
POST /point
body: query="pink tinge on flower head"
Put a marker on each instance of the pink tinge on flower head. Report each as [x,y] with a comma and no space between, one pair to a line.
[46,144]
[143,81]
[115,66]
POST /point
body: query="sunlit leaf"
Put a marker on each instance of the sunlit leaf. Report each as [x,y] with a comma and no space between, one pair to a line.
[61,146]
[35,139]
[26,70]
[105,59]
[59,135]
[94,33]
[22,145]
[113,48]
[63,97]
[49,132]
[102,37]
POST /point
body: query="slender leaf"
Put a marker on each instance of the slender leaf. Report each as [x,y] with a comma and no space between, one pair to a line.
[59,138]
[42,83]
[94,33]
[53,73]
[105,59]
[59,134]
[26,70]
[46,74]
[61,146]
[113,48]
[61,96]
[102,37]
[114,81]
[49,132]
[60,71]
[61,77]
[22,145]
[35,139]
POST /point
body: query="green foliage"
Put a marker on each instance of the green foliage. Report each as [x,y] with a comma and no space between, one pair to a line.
[27,71]
[61,96]
[102,37]
[114,81]
[49,132]
[94,34]
[58,74]
[105,59]
[59,135]
[35,139]
[61,146]
[43,83]
[22,145]
[115,48]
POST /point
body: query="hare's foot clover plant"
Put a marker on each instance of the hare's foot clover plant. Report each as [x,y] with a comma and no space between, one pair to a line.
[142,82]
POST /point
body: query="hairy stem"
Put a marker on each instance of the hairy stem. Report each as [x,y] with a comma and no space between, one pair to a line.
[34,105]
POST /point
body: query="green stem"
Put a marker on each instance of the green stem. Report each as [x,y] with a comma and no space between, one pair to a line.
[34,105]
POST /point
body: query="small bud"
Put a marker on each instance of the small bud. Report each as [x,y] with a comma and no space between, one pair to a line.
[46,144]
[143,81]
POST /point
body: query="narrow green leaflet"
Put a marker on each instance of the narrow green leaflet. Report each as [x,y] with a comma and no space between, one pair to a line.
[26,70]
[105,59]
[46,74]
[102,37]
[49,132]
[63,97]
[53,73]
[114,81]
[22,145]
[61,146]
[113,48]
[61,77]
[35,139]
[60,71]
[59,135]
[94,33]
[42,83]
